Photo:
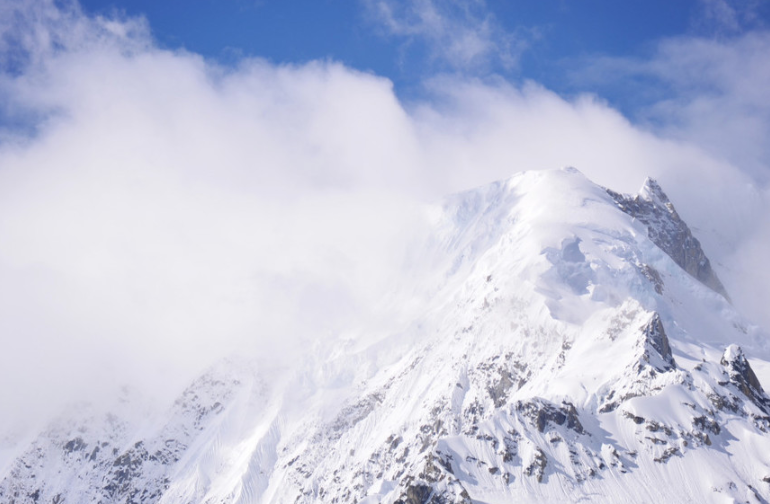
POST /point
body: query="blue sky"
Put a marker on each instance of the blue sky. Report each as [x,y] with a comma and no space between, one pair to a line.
[549,38]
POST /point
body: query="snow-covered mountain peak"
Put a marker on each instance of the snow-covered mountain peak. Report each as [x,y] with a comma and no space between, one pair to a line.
[743,375]
[669,232]
[568,343]
[651,191]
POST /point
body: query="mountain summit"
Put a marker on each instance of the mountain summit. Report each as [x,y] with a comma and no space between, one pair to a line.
[569,344]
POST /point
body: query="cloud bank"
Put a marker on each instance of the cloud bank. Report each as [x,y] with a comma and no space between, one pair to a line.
[158,210]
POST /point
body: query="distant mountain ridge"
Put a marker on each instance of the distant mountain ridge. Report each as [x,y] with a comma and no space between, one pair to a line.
[575,345]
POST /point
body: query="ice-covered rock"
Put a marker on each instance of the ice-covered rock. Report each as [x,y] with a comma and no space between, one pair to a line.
[668,231]
[743,377]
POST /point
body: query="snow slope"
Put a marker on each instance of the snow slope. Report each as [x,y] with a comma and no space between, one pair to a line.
[564,343]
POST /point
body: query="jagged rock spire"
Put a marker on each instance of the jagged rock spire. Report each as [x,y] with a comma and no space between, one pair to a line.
[743,377]
[669,232]
[656,345]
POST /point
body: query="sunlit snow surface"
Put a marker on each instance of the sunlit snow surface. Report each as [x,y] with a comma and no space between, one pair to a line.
[550,352]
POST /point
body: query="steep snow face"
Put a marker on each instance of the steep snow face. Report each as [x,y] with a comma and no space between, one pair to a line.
[565,343]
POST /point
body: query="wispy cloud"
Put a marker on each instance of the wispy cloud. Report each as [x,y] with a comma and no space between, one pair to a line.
[460,34]
[34,31]
[730,17]
[708,91]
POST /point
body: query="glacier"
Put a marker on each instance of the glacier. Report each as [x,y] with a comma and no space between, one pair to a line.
[558,342]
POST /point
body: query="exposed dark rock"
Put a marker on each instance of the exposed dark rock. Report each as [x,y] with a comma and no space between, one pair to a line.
[76,444]
[636,419]
[499,391]
[202,406]
[724,403]
[669,232]
[757,495]
[431,472]
[743,377]
[653,276]
[445,460]
[352,414]
[704,423]
[416,494]
[541,413]
[537,466]
[511,446]
[94,453]
[654,426]
[394,441]
[126,480]
[670,452]
[703,438]
[656,344]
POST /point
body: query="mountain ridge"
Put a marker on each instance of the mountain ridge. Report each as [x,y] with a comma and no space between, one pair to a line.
[668,231]
[563,354]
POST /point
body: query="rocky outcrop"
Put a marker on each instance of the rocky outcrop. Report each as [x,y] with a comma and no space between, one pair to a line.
[419,493]
[743,377]
[541,413]
[651,369]
[103,462]
[656,347]
[669,232]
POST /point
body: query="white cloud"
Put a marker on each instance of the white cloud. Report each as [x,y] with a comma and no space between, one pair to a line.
[720,103]
[462,34]
[719,97]
[711,93]
[167,210]
[728,17]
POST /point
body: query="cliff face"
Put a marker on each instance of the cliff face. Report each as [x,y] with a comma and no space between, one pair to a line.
[556,354]
[669,232]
